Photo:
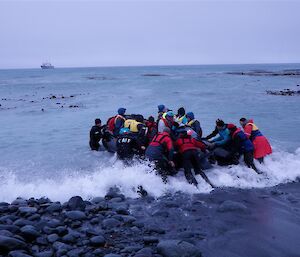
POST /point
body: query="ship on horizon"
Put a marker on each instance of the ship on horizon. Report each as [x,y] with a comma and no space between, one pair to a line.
[47,65]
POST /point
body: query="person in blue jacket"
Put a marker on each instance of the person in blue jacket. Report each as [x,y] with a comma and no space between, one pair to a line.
[223,139]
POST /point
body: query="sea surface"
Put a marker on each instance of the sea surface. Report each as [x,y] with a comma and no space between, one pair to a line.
[44,147]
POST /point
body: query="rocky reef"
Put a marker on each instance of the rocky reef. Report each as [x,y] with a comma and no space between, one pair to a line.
[227,222]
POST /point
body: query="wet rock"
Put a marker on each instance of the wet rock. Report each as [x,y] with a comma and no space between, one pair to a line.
[145,252]
[18,254]
[29,232]
[9,243]
[69,238]
[54,207]
[54,223]
[98,241]
[231,206]
[61,247]
[76,252]
[150,240]
[114,193]
[112,255]
[76,203]
[11,228]
[98,252]
[131,249]
[19,202]
[155,229]
[76,215]
[22,222]
[111,223]
[34,217]
[42,240]
[48,253]
[26,211]
[160,213]
[177,248]
[52,238]
[61,230]
[6,233]
[97,200]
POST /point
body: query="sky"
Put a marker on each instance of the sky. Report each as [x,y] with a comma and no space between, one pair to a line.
[132,33]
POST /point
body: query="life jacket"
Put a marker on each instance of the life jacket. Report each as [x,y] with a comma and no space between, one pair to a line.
[132,125]
[181,120]
[255,131]
[190,123]
[185,143]
[152,126]
[111,122]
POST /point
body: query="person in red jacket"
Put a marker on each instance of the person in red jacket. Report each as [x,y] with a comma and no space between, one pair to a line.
[261,144]
[161,152]
[152,129]
[188,147]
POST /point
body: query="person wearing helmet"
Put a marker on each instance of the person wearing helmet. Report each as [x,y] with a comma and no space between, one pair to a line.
[161,110]
[166,121]
[188,147]
[127,145]
[194,124]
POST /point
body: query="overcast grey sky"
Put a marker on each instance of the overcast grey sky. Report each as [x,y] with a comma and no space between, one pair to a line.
[107,33]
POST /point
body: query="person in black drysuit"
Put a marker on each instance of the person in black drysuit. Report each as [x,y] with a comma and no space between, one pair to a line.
[127,146]
[96,134]
[241,145]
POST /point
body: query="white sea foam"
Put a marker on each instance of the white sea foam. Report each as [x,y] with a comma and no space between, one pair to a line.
[280,167]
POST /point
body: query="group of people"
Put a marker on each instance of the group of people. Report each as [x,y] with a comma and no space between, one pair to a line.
[175,140]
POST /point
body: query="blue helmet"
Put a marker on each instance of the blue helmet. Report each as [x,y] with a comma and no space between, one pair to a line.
[161,108]
[121,111]
[124,131]
[190,115]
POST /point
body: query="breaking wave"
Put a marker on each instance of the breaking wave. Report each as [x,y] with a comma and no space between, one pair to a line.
[280,167]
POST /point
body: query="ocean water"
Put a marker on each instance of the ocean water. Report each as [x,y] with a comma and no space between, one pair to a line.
[46,153]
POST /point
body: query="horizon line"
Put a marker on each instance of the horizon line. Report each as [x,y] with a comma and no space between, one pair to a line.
[150,65]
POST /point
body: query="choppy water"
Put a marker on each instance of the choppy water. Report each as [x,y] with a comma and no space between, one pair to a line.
[47,153]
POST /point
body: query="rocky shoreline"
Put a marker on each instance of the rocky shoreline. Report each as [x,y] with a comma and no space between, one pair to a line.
[222,223]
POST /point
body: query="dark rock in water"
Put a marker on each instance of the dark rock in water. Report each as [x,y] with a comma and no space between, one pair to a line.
[153,75]
[177,248]
[76,203]
[27,210]
[29,232]
[76,215]
[111,223]
[9,243]
[285,92]
[98,241]
[231,206]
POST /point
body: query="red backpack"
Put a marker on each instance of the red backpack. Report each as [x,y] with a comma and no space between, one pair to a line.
[111,123]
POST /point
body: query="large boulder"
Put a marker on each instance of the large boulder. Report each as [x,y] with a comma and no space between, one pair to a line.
[24,210]
[29,232]
[177,248]
[76,203]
